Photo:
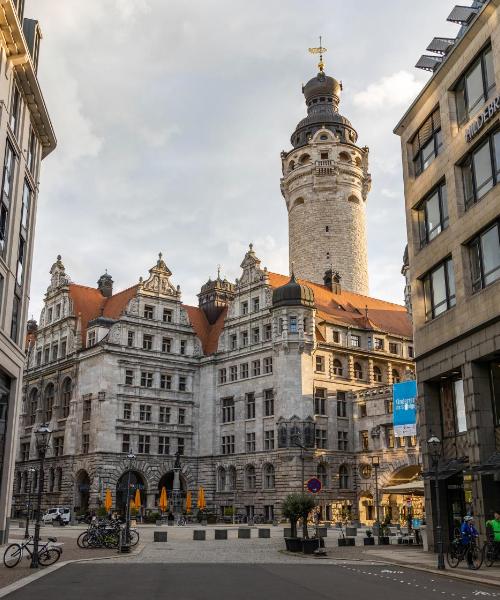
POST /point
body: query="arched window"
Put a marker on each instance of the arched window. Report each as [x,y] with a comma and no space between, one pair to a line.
[377,374]
[358,371]
[396,377]
[221,479]
[34,485]
[65,397]
[33,406]
[250,479]
[338,369]
[269,477]
[353,198]
[231,478]
[322,474]
[25,482]
[291,165]
[59,479]
[298,202]
[304,159]
[49,402]
[343,477]
[344,157]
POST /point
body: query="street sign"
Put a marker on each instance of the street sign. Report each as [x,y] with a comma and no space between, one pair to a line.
[314,485]
[405,408]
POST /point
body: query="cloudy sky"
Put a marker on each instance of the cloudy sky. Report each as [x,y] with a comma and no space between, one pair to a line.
[171,116]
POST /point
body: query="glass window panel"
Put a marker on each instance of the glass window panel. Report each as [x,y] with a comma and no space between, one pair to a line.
[439,291]
[496,150]
[495,385]
[433,216]
[444,206]
[428,153]
[425,132]
[475,264]
[490,248]
[451,283]
[468,183]
[439,140]
[489,70]
[474,85]
[428,298]
[458,388]
[460,99]
[422,227]
[482,170]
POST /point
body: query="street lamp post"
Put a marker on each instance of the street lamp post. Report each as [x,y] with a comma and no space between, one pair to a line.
[376,464]
[31,471]
[131,458]
[434,445]
[296,442]
[42,435]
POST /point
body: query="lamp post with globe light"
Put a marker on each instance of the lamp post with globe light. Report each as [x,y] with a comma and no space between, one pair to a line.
[434,446]
[375,460]
[31,474]
[42,435]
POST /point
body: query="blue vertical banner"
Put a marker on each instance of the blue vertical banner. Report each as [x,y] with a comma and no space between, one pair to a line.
[404,397]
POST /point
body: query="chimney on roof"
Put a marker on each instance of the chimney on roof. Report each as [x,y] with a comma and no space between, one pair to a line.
[105,285]
[214,296]
[31,326]
[332,281]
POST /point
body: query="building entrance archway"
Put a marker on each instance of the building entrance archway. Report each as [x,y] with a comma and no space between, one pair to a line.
[136,483]
[82,489]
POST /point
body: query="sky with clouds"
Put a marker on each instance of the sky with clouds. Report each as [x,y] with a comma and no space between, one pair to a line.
[171,116]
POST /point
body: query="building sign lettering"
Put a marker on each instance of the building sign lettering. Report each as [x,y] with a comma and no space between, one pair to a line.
[488,113]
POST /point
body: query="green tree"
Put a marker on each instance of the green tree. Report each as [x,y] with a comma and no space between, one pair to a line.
[296,506]
[306,505]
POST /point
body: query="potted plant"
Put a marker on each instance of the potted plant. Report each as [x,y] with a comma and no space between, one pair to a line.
[290,509]
[384,537]
[369,540]
[305,505]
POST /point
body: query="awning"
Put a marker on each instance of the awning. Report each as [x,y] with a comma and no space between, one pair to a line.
[412,487]
[491,466]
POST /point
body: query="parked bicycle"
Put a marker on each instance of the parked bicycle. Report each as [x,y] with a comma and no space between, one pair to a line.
[47,554]
[457,552]
[181,521]
[105,534]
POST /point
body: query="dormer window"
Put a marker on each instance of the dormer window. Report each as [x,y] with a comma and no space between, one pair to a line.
[244,308]
[49,315]
[149,312]
[91,338]
[167,315]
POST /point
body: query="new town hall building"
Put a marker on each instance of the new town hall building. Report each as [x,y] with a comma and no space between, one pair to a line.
[234,386]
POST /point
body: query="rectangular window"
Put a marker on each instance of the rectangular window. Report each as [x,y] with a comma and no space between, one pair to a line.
[244,371]
[91,338]
[32,153]
[378,344]
[164,415]
[269,439]
[227,410]
[433,215]
[147,342]
[411,352]
[38,358]
[58,445]
[250,405]
[222,376]
[181,416]
[149,311]
[250,442]
[320,364]
[146,379]
[336,337]
[341,404]
[127,411]
[244,308]
[255,335]
[268,332]
[183,346]
[293,326]
[355,341]
[7,184]
[255,368]
[427,143]
[166,345]
[362,410]
[228,444]
[167,315]
[85,443]
[234,341]
[495,390]
[255,304]
[342,440]
[14,323]
[481,170]
[320,401]
[46,355]
[390,437]
[145,413]
[49,315]
[268,365]
[125,443]
[144,444]
[244,338]
[268,403]
[130,339]
[233,373]
[485,258]
[180,446]
[15,110]
[87,409]
[459,397]
[320,440]
[182,383]
[474,87]
[163,444]
[393,348]
[55,351]
[25,452]
[25,209]
[439,289]
[165,382]
[364,440]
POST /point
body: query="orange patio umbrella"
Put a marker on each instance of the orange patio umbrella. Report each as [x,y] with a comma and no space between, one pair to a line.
[137,499]
[132,504]
[108,500]
[163,499]
[201,498]
[188,502]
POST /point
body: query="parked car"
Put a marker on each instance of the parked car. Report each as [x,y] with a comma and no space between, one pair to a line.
[55,513]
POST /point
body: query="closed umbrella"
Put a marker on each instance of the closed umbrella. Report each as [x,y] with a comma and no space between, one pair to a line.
[201,498]
[108,500]
[188,502]
[137,499]
[163,499]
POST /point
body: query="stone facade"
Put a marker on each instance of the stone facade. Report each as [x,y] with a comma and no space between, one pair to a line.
[26,137]
[457,341]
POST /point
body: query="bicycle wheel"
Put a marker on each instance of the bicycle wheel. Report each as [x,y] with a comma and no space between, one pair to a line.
[477,558]
[134,537]
[488,554]
[111,540]
[12,555]
[49,556]
[83,540]
[453,557]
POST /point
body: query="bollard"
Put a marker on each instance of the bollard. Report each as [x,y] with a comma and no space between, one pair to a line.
[160,536]
[199,534]
[220,534]
[264,533]
[244,533]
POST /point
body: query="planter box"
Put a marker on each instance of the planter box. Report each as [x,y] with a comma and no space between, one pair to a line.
[220,534]
[264,533]
[199,535]
[369,541]
[244,533]
[203,522]
[322,532]
[384,540]
[309,546]
[287,532]
[293,544]
[351,532]
[160,536]
[347,541]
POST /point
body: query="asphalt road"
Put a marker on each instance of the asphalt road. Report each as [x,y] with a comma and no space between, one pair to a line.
[246,582]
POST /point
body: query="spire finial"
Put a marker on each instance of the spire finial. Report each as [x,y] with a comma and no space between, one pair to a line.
[218,271]
[292,275]
[320,50]
[160,255]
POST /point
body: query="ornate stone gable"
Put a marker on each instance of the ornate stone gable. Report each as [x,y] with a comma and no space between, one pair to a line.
[58,277]
[252,273]
[158,283]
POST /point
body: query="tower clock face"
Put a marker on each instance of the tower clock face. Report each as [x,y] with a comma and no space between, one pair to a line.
[365,471]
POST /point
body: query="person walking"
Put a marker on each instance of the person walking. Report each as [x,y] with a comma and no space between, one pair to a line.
[468,535]
[493,528]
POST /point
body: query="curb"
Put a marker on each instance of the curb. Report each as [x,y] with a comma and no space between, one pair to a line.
[8,589]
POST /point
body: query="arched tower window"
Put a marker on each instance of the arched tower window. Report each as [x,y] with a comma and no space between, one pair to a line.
[344,157]
[250,479]
[396,377]
[65,397]
[231,478]
[358,371]
[322,474]
[221,479]
[337,367]
[33,405]
[343,477]
[269,477]
[49,402]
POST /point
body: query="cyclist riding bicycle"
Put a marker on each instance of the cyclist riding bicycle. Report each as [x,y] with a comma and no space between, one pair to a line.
[468,536]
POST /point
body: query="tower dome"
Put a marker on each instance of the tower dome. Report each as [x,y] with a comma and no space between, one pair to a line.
[293,294]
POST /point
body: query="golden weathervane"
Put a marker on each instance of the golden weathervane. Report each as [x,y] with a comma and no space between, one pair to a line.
[320,50]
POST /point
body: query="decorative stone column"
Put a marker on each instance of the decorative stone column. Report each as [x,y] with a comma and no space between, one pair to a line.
[350,366]
[370,371]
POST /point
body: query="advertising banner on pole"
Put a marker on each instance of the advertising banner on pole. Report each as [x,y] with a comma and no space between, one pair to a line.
[405,408]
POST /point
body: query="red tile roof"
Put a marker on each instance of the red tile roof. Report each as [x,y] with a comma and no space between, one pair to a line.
[207,334]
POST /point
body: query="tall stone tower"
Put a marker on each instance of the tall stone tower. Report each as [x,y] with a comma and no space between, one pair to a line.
[325,185]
